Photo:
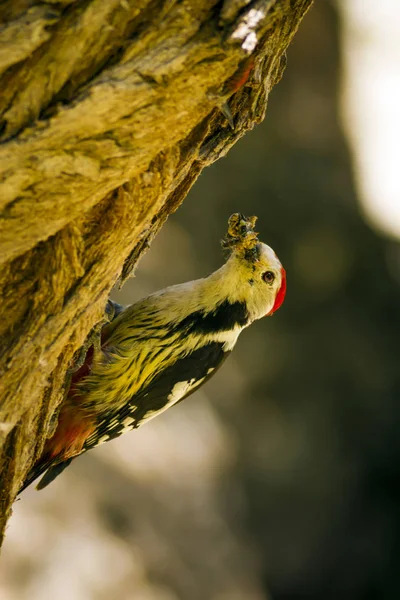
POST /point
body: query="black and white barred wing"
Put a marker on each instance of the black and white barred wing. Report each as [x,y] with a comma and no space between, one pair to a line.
[171,386]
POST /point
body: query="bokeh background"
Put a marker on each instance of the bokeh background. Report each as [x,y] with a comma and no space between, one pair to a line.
[280,478]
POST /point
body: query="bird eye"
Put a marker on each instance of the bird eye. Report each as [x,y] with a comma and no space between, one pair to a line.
[268,276]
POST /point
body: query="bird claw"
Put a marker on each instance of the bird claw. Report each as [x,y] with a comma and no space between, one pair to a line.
[226,111]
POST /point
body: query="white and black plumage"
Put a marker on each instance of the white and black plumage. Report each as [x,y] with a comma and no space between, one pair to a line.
[162,348]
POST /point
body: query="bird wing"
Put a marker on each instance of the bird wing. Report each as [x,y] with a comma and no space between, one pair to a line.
[172,385]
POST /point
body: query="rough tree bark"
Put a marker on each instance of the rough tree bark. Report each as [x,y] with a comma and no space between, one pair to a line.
[108,113]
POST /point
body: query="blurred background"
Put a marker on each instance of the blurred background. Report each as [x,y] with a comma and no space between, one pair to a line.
[279,479]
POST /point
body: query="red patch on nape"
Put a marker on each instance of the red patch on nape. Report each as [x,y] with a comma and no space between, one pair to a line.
[280,296]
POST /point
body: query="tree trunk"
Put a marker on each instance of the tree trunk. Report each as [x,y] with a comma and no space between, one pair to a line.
[109,111]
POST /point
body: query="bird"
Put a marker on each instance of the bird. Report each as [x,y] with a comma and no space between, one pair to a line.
[157,351]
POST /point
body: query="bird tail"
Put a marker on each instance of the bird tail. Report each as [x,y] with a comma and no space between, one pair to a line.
[50,471]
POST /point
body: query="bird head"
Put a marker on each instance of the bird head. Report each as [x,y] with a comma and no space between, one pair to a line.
[255,273]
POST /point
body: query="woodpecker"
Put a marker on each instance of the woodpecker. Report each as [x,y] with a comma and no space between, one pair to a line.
[159,350]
